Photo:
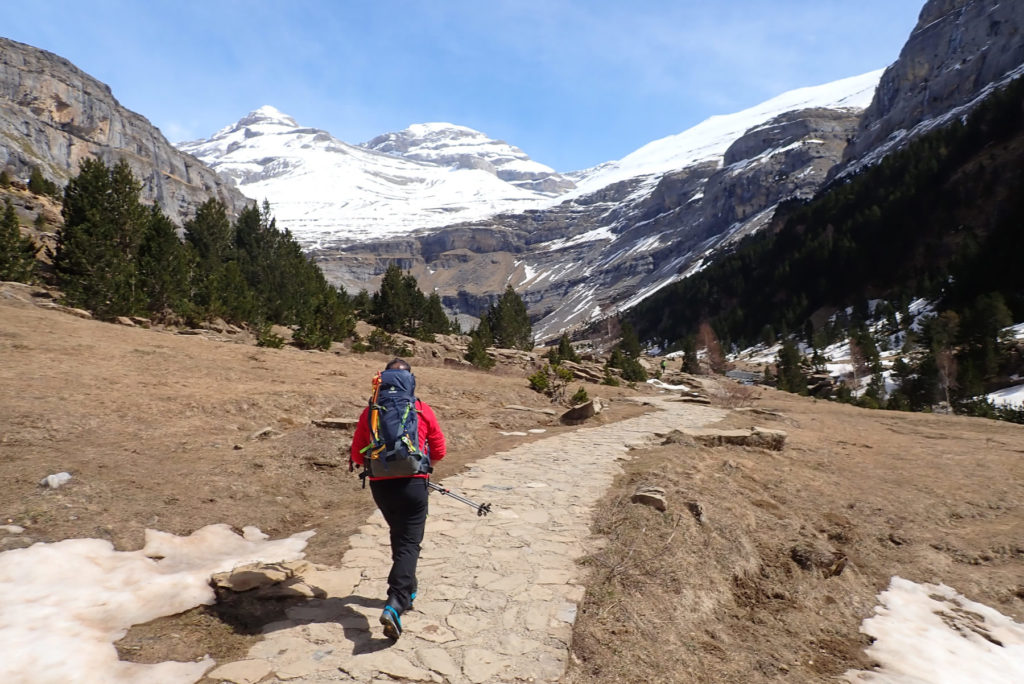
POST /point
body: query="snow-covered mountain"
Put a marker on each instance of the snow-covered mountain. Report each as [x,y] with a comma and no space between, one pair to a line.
[327,191]
[630,226]
[461,147]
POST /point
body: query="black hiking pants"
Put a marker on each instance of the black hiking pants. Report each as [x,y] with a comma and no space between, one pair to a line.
[403,501]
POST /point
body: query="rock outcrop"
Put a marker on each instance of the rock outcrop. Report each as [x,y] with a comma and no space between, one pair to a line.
[53,115]
[958,49]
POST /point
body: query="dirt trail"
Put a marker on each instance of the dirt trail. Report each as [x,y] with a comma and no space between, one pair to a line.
[498,595]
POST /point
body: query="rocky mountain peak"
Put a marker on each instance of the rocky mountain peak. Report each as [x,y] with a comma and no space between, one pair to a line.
[269,115]
[450,145]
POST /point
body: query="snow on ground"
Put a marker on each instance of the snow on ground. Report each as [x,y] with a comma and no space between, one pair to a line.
[930,633]
[665,386]
[66,603]
[1010,396]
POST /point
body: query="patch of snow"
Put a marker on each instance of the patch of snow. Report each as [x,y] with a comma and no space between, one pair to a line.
[1012,397]
[665,386]
[930,633]
[66,603]
[1016,331]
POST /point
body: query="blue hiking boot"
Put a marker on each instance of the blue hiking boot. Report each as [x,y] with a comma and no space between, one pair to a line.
[392,623]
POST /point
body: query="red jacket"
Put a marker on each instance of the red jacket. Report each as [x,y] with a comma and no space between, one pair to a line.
[431,437]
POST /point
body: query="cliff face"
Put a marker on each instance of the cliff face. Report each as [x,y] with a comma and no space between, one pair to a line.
[956,51]
[53,115]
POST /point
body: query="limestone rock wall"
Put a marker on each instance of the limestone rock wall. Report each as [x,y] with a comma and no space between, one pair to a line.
[53,115]
[957,49]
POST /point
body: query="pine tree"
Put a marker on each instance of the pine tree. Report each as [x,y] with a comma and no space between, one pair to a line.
[476,353]
[211,235]
[565,350]
[164,266]
[510,323]
[630,343]
[39,185]
[391,305]
[362,304]
[691,362]
[791,376]
[435,320]
[17,253]
[97,248]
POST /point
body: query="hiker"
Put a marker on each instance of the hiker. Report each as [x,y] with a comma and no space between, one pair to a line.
[396,446]
[664,365]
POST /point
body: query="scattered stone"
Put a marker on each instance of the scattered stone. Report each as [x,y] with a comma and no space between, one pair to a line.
[337,423]
[191,331]
[650,496]
[12,529]
[56,480]
[265,433]
[895,538]
[9,543]
[125,320]
[252,576]
[697,511]
[141,322]
[830,563]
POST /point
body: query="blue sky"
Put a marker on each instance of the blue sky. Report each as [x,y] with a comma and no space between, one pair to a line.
[571,82]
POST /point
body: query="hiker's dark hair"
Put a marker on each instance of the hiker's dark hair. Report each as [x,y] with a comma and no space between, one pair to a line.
[397,364]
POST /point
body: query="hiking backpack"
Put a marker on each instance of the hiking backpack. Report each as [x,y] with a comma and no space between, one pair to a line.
[394,448]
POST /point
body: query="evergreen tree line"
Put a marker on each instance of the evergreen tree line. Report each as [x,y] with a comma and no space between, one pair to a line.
[116,256]
[399,306]
[939,219]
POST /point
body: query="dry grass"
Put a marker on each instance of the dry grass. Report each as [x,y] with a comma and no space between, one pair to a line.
[735,599]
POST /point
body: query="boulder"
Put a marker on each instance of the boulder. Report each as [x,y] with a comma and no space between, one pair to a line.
[265,433]
[650,496]
[580,414]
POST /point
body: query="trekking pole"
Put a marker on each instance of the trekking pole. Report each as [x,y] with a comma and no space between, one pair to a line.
[481,509]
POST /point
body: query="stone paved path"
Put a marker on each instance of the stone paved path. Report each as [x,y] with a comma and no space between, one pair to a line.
[498,594]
